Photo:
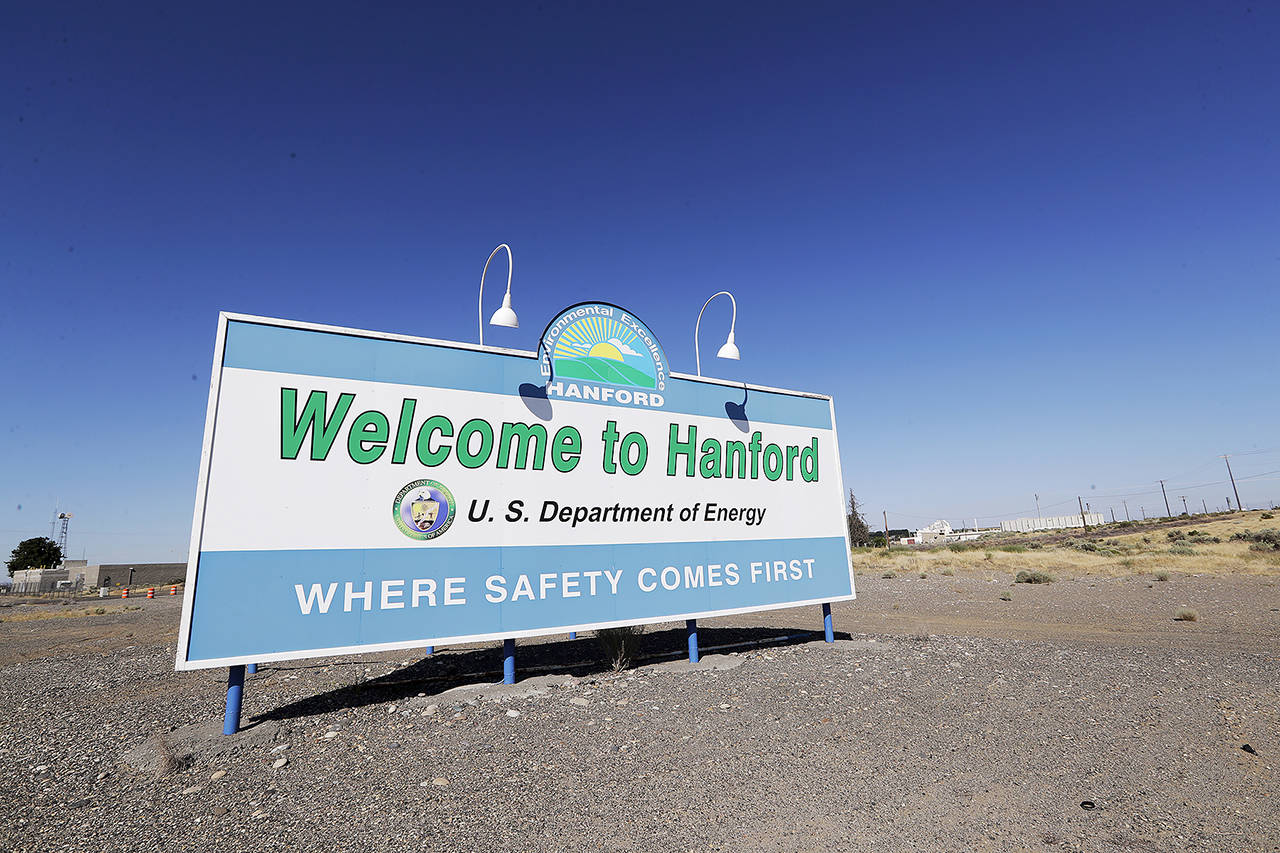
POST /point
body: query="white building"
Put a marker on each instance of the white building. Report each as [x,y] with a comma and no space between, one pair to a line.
[1051,522]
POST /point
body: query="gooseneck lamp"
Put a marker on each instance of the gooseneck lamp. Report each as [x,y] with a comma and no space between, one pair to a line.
[504,316]
[729,349]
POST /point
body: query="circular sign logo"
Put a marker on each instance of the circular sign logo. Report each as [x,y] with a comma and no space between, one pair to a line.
[423,509]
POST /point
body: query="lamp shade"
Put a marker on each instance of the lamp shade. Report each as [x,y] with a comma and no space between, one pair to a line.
[729,350]
[504,316]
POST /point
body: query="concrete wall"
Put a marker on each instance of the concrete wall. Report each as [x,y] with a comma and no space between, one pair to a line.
[144,574]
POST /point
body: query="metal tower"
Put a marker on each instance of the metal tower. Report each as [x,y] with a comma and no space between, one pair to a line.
[65,518]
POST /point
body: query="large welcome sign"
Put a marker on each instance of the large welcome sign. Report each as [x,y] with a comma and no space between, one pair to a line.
[361,491]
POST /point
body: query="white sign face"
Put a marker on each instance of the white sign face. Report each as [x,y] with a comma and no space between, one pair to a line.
[363,492]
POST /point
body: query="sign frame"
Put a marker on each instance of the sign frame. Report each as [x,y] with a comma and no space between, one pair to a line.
[182,661]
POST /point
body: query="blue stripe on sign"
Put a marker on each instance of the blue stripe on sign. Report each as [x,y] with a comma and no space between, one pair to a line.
[252,605]
[256,346]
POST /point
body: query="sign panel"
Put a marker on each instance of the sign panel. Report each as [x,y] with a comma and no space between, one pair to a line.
[362,492]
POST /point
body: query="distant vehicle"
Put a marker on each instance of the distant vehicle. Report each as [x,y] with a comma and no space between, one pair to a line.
[65,584]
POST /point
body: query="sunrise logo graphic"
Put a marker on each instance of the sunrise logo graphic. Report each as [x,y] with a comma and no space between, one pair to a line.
[600,343]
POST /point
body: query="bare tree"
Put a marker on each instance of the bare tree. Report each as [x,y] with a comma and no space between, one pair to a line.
[859,533]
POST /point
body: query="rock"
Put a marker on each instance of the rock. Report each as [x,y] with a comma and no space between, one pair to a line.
[278,763]
[193,789]
[578,700]
[391,709]
[330,735]
[513,713]
[430,710]
[216,775]
[219,810]
[281,748]
[440,781]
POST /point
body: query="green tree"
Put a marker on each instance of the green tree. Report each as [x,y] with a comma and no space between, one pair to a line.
[38,553]
[859,533]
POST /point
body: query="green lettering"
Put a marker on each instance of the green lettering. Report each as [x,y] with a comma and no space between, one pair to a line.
[403,431]
[710,458]
[523,435]
[463,449]
[676,447]
[567,449]
[610,438]
[324,428]
[630,440]
[432,425]
[362,435]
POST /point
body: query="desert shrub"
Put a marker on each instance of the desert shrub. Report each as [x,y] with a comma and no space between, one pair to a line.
[924,575]
[1175,535]
[1202,538]
[1182,550]
[948,572]
[1013,549]
[1263,540]
[1162,576]
[1005,596]
[99,610]
[619,645]
[1186,614]
[988,556]
[889,574]
[1025,576]
[1266,516]
[1104,549]
[1035,545]
[1146,539]
[1128,562]
[958,547]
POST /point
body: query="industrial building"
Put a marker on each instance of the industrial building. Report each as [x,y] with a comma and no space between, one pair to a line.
[1051,522]
[78,574]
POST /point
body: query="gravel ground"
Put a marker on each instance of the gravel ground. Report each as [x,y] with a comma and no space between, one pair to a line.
[944,719]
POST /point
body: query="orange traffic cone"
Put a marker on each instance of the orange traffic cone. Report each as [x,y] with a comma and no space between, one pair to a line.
[173,590]
[124,593]
[151,592]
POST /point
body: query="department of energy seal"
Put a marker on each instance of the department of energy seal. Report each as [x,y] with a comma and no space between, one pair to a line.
[423,509]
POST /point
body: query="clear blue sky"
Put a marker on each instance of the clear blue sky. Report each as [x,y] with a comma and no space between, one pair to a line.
[1027,250]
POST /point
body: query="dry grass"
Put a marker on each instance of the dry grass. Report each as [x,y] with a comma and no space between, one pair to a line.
[1121,552]
[34,615]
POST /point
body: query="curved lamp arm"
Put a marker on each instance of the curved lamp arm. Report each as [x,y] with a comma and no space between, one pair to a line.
[730,349]
[506,300]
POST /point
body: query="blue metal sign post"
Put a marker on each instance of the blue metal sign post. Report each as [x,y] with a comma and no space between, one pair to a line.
[235,692]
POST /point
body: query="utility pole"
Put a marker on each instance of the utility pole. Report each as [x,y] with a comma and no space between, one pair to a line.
[1227,459]
[1204,506]
[887,546]
[1080,501]
[1185,511]
[1168,513]
[1144,512]
[1126,510]
[1229,509]
[1037,507]
[1088,508]
[1113,515]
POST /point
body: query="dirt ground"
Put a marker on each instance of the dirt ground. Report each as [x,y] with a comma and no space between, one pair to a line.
[1077,715]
